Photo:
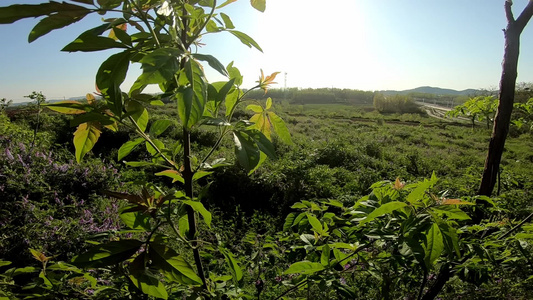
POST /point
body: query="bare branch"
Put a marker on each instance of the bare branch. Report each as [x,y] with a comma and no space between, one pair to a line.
[525,16]
[509,11]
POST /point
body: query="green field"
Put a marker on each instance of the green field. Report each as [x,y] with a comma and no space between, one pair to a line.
[52,204]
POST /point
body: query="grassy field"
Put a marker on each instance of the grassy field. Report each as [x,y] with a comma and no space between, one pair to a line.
[339,152]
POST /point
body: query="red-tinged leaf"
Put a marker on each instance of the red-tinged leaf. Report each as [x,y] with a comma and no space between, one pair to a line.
[456,202]
[113,31]
[85,138]
[90,99]
[398,185]
[39,255]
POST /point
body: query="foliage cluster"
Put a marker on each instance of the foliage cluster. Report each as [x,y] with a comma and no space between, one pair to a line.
[480,108]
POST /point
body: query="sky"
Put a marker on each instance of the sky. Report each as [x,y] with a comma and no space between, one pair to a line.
[356,44]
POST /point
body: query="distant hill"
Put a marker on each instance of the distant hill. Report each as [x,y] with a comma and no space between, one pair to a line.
[433,90]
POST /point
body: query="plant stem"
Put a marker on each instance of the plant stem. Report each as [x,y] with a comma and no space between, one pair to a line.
[191,215]
[516,227]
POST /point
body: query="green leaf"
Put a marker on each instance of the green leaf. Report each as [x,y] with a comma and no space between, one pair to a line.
[21,271]
[110,76]
[451,212]
[231,100]
[90,2]
[315,223]
[260,5]
[212,26]
[107,254]
[289,220]
[264,144]
[68,107]
[152,150]
[136,220]
[234,74]
[159,126]
[227,2]
[138,113]
[56,21]
[268,104]
[103,119]
[227,21]
[450,238]
[200,174]
[192,99]
[200,208]
[213,62]
[280,128]
[85,138]
[223,91]
[144,280]
[173,265]
[304,267]
[325,255]
[175,175]
[89,42]
[246,150]
[245,39]
[236,271]
[434,245]
[417,194]
[17,12]
[139,164]
[384,209]
[255,108]
[127,147]
[159,66]
[4,263]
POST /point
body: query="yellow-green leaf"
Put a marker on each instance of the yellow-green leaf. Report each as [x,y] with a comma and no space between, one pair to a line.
[68,107]
[255,108]
[175,175]
[280,128]
[268,103]
[260,5]
[85,138]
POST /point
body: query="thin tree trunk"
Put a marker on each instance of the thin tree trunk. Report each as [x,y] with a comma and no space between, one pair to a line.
[501,120]
[507,93]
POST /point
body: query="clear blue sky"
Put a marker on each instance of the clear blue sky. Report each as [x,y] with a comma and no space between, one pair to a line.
[358,44]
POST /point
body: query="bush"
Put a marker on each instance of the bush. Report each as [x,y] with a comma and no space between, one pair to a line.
[49,202]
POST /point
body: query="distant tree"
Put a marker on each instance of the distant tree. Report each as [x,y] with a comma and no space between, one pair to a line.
[523,114]
[4,104]
[400,104]
[476,109]
[38,99]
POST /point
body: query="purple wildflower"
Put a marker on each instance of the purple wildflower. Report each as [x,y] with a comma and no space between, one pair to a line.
[9,155]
